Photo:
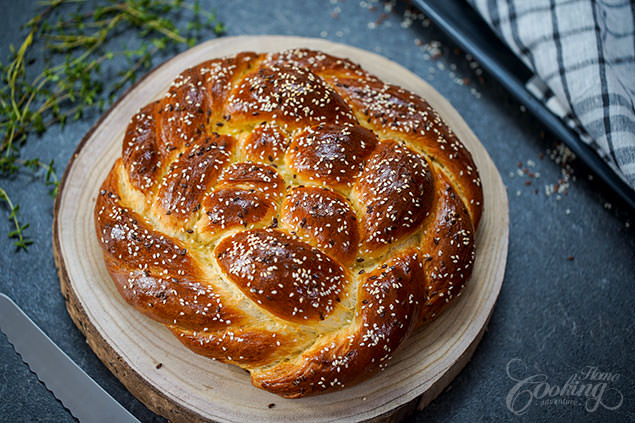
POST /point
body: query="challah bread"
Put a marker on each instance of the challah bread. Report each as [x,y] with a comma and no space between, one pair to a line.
[291,214]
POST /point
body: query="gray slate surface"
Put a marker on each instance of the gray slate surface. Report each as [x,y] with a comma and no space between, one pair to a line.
[554,315]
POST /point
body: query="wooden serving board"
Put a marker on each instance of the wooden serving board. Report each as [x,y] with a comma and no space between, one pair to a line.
[188,387]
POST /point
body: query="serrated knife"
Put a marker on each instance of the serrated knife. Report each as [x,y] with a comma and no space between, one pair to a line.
[81,395]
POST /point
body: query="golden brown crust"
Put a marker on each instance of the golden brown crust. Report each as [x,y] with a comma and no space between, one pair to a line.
[265,143]
[143,152]
[324,219]
[243,346]
[153,271]
[332,155]
[291,214]
[285,276]
[245,196]
[192,173]
[393,195]
[402,115]
[288,94]
[384,314]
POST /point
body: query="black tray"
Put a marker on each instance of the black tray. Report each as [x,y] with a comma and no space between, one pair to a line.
[470,32]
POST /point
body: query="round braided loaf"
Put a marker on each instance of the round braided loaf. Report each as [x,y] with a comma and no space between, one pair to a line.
[291,214]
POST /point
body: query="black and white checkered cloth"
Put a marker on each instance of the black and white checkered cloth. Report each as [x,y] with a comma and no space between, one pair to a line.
[583,55]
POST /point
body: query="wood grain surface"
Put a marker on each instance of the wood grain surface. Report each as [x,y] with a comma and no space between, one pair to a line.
[182,386]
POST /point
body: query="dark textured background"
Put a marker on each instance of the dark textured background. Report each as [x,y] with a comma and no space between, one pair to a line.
[554,315]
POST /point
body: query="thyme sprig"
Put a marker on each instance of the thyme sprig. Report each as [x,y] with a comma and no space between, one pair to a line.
[75,42]
[21,242]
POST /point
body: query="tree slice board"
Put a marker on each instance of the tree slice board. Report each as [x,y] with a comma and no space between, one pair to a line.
[182,386]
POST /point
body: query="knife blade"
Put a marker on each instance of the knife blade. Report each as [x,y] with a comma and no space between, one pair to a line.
[81,395]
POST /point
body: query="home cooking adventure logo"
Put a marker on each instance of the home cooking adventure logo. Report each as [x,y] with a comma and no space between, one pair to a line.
[589,387]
